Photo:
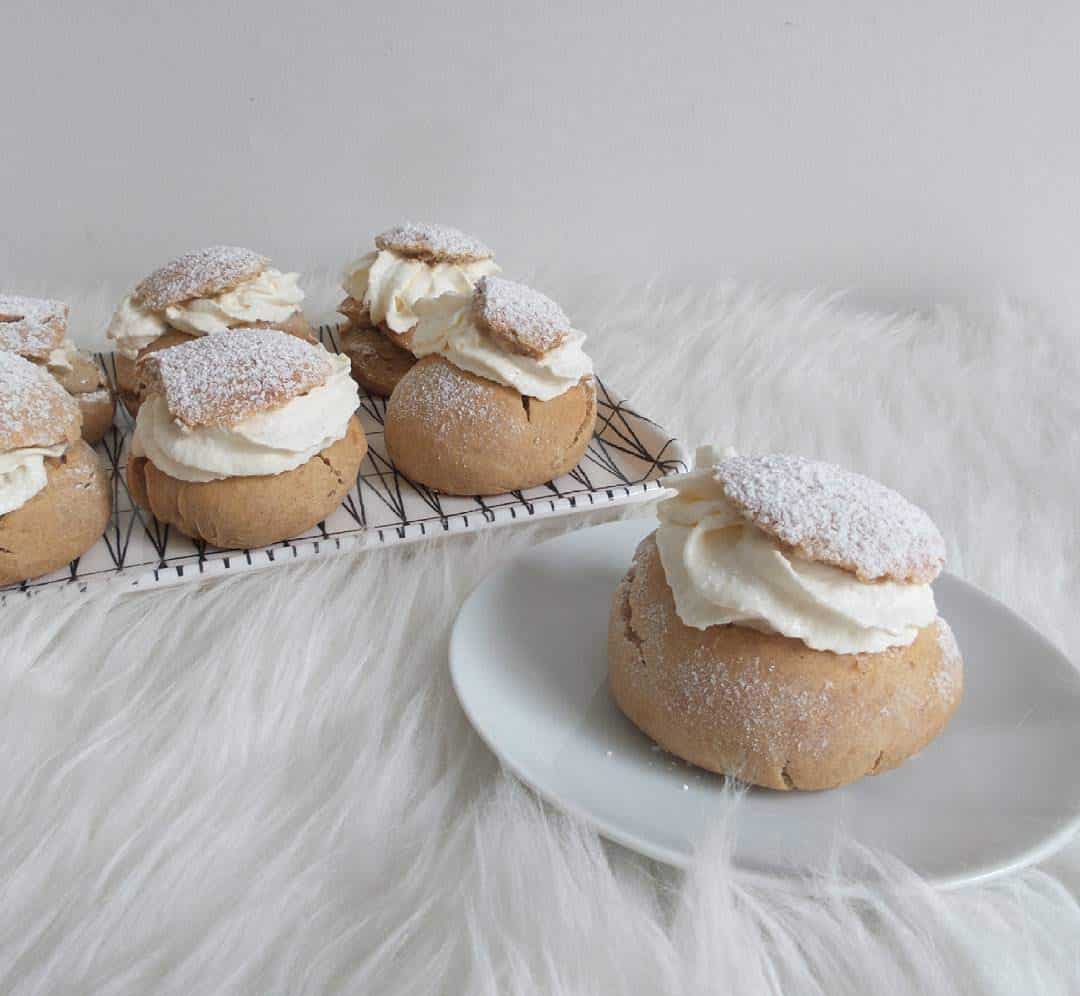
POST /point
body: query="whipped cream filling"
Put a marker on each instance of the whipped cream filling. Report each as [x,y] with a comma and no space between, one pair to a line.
[390,286]
[272,296]
[269,442]
[133,328]
[722,569]
[23,475]
[446,327]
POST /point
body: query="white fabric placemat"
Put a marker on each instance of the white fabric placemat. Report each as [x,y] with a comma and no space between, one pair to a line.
[264,784]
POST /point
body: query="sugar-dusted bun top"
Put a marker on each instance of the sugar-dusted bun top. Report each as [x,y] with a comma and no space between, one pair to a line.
[223,378]
[523,320]
[35,411]
[432,243]
[32,326]
[199,273]
[833,516]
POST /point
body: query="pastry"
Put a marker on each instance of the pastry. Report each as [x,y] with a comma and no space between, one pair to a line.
[411,263]
[36,329]
[779,625]
[502,398]
[54,493]
[200,293]
[244,440]
[378,363]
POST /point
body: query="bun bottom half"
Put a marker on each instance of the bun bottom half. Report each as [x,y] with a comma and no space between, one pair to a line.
[245,512]
[465,435]
[98,408]
[377,363]
[61,522]
[766,708]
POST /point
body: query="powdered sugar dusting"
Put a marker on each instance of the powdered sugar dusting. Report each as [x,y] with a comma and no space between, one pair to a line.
[835,516]
[439,394]
[221,379]
[767,710]
[199,273]
[523,319]
[34,409]
[437,243]
[31,326]
[770,713]
[950,649]
[947,677]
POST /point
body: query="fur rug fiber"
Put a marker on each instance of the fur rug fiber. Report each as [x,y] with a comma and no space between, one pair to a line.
[265,784]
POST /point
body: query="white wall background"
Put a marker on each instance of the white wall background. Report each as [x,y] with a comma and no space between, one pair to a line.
[914,152]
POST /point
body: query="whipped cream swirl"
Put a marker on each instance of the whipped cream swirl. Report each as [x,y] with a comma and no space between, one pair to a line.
[270,296]
[722,569]
[390,286]
[23,475]
[133,328]
[270,442]
[446,327]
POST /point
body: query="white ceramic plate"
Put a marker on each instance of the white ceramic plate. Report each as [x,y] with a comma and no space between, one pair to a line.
[999,789]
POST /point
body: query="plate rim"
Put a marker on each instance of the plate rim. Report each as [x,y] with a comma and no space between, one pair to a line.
[1040,850]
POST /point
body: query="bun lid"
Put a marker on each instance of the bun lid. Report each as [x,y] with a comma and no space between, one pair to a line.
[35,411]
[220,379]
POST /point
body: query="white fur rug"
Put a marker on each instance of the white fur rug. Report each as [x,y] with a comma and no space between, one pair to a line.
[265,785]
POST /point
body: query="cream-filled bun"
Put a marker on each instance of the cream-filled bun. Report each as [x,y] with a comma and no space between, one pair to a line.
[202,292]
[502,397]
[54,495]
[37,329]
[410,265]
[779,625]
[378,362]
[245,439]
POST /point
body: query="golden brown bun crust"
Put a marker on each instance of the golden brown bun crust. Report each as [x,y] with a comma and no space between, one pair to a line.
[61,522]
[126,383]
[127,379]
[465,435]
[360,319]
[127,376]
[86,383]
[245,512]
[378,364]
[765,707]
[84,375]
[354,311]
[98,408]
